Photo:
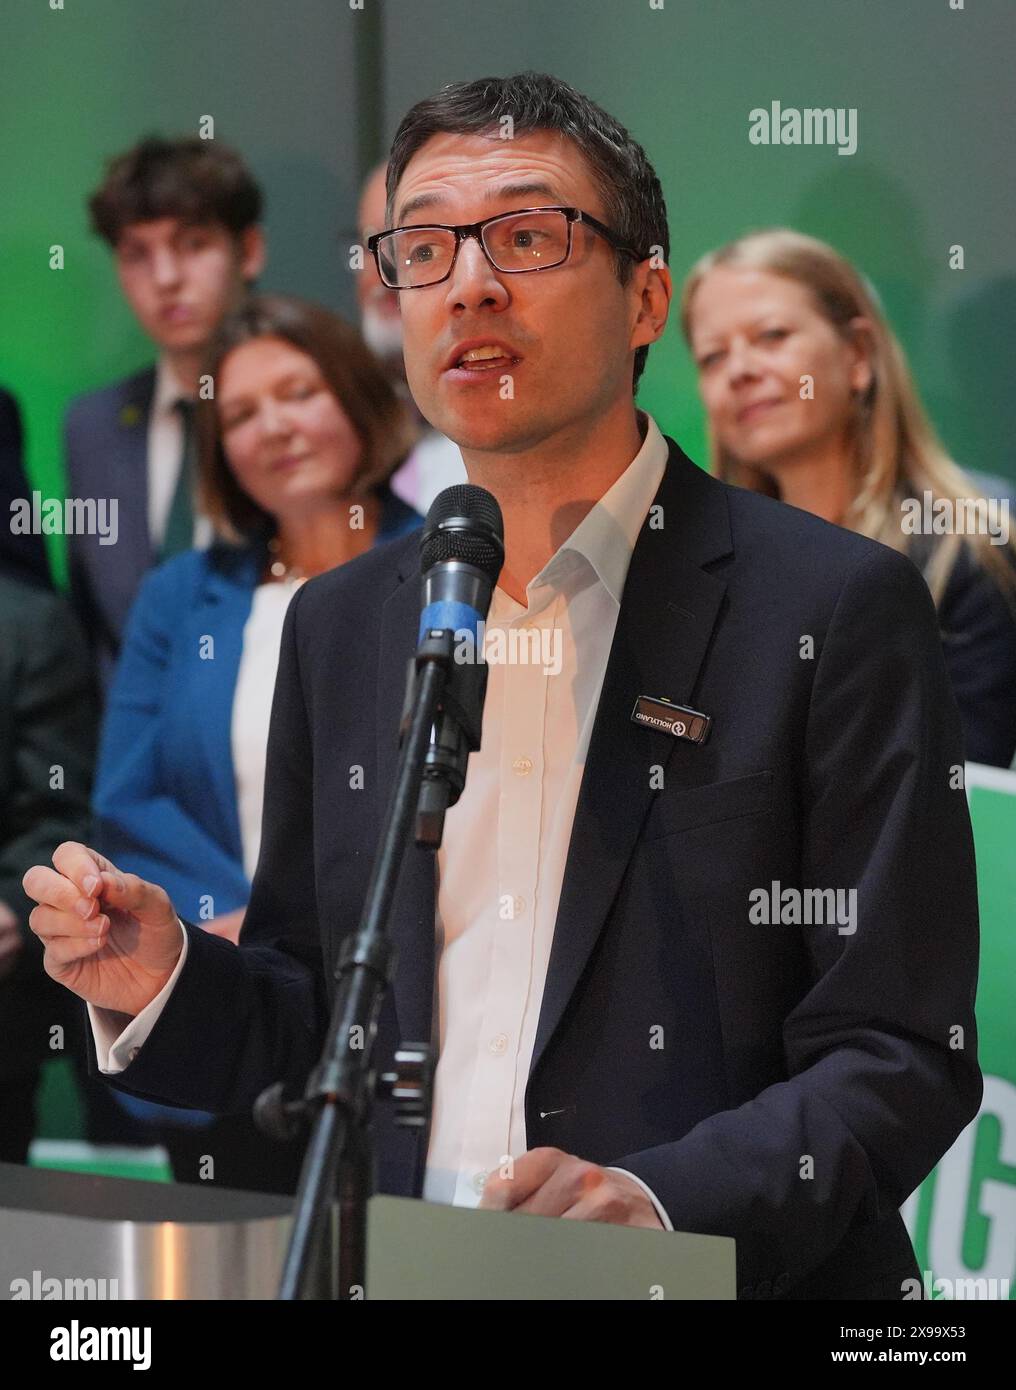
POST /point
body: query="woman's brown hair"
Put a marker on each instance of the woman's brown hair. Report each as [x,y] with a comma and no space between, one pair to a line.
[353,374]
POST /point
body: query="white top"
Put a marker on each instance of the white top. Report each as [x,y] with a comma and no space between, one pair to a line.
[501,865]
[165,455]
[434,464]
[252,708]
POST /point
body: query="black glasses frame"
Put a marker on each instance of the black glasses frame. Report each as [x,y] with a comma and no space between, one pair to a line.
[476,230]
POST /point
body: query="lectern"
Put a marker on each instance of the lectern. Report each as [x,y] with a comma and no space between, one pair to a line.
[78,1236]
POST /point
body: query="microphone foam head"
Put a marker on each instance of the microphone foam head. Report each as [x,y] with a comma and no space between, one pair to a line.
[464,523]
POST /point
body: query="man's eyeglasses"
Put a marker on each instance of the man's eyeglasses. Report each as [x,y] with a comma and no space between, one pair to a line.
[410,258]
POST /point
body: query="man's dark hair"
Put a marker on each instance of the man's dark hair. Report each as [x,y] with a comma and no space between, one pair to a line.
[198,181]
[625,180]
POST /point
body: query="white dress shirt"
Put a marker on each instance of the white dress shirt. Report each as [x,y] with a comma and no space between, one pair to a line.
[165,454]
[501,865]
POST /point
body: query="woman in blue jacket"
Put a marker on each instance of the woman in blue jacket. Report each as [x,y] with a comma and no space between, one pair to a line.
[294,455]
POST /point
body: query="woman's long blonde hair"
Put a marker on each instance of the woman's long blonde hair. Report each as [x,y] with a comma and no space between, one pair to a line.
[896,452]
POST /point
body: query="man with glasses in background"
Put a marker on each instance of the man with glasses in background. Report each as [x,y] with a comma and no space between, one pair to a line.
[434,462]
[609,1014]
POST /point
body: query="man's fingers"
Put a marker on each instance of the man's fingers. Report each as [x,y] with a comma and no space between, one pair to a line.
[66,950]
[72,886]
[616,1203]
[80,864]
[125,891]
[51,889]
[51,924]
[46,886]
[572,1181]
[528,1173]
[547,1182]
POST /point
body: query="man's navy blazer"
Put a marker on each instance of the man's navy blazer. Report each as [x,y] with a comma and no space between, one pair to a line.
[106,447]
[21,556]
[789,1085]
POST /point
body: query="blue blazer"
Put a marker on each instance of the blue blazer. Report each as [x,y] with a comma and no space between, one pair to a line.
[164,800]
[165,793]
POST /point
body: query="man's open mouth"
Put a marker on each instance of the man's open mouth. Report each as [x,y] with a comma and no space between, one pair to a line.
[484,359]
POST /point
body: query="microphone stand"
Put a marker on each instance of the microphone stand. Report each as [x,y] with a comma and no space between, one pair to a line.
[341,1090]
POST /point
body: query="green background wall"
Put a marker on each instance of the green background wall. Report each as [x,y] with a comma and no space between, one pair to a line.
[312,91]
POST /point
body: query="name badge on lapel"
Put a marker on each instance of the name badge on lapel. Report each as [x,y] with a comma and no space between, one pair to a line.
[668,718]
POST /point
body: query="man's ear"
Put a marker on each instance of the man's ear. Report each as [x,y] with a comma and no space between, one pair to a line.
[253,252]
[654,304]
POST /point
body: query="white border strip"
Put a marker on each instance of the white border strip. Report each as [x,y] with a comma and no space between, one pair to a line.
[996,779]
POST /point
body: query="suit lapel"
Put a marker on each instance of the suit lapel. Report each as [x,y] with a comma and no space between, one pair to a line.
[668,611]
[131,454]
[413,910]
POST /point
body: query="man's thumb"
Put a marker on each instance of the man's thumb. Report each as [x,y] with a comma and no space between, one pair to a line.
[128,893]
[124,891]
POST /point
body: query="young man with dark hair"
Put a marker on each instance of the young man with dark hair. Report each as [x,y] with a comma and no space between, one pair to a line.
[623,1035]
[182,220]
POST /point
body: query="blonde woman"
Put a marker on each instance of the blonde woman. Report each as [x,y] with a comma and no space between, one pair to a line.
[809,399]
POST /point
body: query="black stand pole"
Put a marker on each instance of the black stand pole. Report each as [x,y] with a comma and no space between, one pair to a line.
[340,1090]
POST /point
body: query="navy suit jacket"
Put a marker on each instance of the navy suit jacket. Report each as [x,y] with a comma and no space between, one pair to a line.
[977,623]
[48,718]
[21,556]
[809,1079]
[106,449]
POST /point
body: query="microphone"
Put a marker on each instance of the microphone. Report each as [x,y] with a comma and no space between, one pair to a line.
[461,554]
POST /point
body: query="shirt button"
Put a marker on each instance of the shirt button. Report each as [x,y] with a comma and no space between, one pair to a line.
[133,1053]
[522,766]
[499,1044]
[479,1179]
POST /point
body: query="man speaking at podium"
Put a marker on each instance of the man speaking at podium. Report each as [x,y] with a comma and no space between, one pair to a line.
[617,950]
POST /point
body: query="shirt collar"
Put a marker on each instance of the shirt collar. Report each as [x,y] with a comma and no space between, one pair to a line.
[167,389]
[606,535]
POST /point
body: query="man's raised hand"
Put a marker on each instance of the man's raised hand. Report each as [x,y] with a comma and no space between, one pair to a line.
[109,937]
